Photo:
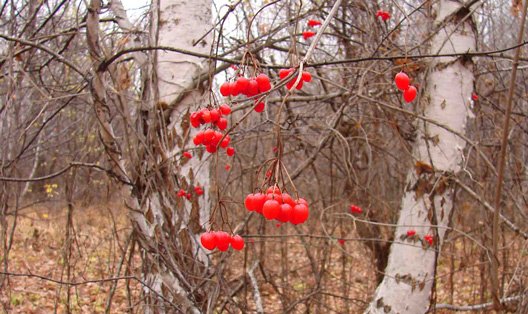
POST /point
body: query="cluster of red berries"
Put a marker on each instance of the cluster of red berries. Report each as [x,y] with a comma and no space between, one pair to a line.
[213,116]
[221,240]
[402,82]
[209,137]
[427,238]
[383,14]
[197,189]
[354,209]
[275,205]
[309,34]
[182,193]
[305,77]
[245,86]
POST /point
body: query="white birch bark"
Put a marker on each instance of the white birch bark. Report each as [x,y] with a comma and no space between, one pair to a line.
[428,198]
[167,233]
[176,23]
[181,23]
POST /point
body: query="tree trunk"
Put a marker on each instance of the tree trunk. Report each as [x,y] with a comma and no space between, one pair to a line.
[428,198]
[167,227]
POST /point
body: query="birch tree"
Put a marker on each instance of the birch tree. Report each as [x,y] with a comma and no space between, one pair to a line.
[166,227]
[427,203]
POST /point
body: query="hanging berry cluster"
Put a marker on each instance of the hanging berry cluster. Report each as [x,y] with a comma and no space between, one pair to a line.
[221,240]
[383,14]
[402,82]
[309,34]
[275,205]
[246,87]
[354,209]
[211,138]
[305,77]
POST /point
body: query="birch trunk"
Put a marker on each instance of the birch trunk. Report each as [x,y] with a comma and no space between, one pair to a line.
[428,199]
[166,227]
[175,265]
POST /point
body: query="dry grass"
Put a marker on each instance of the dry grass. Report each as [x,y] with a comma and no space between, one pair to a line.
[342,282]
[38,248]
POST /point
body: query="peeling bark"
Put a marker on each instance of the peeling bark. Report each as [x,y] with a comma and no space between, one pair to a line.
[166,227]
[428,199]
[176,262]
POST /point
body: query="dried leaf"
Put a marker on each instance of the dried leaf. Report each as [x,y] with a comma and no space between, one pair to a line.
[423,167]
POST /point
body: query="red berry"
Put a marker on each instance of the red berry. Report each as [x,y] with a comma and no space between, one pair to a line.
[222,240]
[206,115]
[209,135]
[198,190]
[355,209]
[227,167]
[410,94]
[225,141]
[383,14]
[272,196]
[286,211]
[284,72]
[411,233]
[237,242]
[402,81]
[308,34]
[313,23]
[235,89]
[225,109]
[215,115]
[429,239]
[271,209]
[300,214]
[187,155]
[286,198]
[195,119]
[302,201]
[198,138]
[250,203]
[306,76]
[273,189]
[216,138]
[253,88]
[242,85]
[300,85]
[259,107]
[210,149]
[341,242]
[181,193]
[474,96]
[221,123]
[225,89]
[230,151]
[259,200]
[263,82]
[188,196]
[208,240]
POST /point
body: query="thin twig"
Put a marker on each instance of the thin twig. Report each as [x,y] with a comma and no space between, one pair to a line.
[494,269]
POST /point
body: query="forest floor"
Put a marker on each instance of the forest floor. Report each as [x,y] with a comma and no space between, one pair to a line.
[100,236]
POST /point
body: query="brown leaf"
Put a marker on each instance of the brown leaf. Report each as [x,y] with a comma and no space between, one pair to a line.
[422,167]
